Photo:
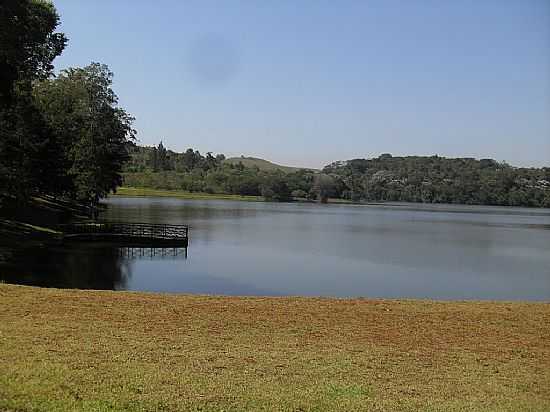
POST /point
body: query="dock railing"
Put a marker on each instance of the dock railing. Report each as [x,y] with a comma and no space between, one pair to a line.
[151,231]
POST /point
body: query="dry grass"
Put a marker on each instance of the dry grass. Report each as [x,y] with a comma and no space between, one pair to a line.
[103,351]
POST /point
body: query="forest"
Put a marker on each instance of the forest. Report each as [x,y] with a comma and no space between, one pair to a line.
[426,179]
[435,179]
[159,168]
[62,135]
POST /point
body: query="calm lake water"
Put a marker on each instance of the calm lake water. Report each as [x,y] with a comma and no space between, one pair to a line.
[256,248]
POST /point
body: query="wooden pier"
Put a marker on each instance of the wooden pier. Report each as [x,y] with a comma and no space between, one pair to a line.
[150,234]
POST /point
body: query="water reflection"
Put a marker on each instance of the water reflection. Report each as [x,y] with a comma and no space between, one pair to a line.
[248,248]
[77,266]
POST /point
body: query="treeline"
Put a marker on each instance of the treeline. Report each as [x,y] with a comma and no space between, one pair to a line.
[64,135]
[158,159]
[441,180]
[423,179]
[156,167]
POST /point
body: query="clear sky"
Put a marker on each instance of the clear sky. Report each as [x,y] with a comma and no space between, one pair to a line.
[308,82]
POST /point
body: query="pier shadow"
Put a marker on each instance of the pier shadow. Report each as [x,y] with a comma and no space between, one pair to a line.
[74,267]
[79,265]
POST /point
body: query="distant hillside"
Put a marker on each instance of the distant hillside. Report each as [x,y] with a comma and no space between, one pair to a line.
[426,179]
[262,164]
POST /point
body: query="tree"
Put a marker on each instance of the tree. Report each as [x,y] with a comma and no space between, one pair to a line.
[275,188]
[188,160]
[28,45]
[158,158]
[93,131]
[323,187]
[162,158]
[209,162]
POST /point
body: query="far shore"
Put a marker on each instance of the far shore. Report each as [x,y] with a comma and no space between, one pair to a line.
[147,192]
[99,350]
[126,191]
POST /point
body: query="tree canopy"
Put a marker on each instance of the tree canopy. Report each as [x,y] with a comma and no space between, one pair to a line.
[427,179]
[435,179]
[29,43]
[92,131]
[28,46]
[64,135]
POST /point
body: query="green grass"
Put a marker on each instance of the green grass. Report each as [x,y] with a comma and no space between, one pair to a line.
[70,350]
[263,164]
[140,191]
[146,192]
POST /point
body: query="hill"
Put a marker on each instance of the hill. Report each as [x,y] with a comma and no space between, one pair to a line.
[263,164]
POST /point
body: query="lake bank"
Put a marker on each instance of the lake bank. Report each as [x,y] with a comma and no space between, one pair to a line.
[84,350]
[36,222]
[180,194]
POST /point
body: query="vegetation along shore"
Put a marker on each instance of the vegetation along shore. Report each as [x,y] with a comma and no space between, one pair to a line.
[182,194]
[421,179]
[148,192]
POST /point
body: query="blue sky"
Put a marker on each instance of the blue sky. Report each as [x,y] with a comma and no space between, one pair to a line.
[309,82]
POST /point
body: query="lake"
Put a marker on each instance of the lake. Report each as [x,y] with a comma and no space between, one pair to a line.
[275,249]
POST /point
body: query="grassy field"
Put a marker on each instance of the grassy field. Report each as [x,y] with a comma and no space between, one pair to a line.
[104,351]
[139,191]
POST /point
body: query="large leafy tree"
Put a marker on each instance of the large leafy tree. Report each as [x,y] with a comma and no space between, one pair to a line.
[29,159]
[82,110]
[28,45]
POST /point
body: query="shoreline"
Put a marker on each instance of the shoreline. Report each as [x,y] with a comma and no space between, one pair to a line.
[87,349]
[178,194]
[38,221]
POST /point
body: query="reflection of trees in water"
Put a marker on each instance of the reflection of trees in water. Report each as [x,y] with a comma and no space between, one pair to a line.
[79,266]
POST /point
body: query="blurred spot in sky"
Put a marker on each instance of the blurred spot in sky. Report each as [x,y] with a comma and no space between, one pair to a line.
[212,60]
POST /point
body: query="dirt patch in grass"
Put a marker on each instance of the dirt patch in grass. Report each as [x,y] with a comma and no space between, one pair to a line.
[88,350]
